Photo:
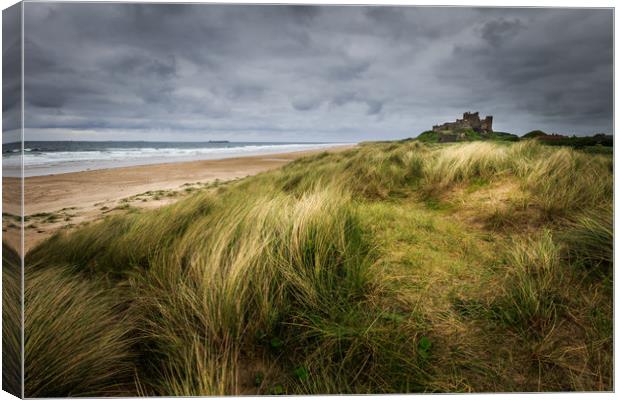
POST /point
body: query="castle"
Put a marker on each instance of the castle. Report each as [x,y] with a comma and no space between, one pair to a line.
[470,121]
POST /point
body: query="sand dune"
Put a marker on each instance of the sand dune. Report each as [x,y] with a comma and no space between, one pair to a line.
[87,193]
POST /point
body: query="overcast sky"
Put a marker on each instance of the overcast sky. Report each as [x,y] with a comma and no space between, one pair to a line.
[295,73]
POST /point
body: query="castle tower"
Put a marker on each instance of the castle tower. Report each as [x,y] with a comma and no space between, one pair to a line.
[467,116]
[472,121]
[487,124]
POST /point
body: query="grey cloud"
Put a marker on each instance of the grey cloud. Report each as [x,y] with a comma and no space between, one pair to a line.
[553,67]
[348,70]
[11,74]
[305,104]
[303,14]
[374,107]
[273,72]
[162,67]
[344,98]
[248,91]
[497,31]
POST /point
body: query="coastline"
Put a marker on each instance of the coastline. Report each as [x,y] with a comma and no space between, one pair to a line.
[64,200]
[54,158]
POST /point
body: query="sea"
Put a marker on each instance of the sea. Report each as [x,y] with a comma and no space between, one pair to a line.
[57,157]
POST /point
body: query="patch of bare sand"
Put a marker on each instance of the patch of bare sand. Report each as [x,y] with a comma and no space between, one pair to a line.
[498,205]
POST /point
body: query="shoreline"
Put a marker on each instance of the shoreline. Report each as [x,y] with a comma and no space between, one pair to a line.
[53,202]
[130,157]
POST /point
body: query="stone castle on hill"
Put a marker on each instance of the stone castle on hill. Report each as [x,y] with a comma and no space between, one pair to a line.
[470,120]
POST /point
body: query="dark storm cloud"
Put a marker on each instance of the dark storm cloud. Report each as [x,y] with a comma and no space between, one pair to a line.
[11,74]
[192,72]
[555,67]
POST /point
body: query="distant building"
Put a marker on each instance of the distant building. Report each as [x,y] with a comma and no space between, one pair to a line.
[470,120]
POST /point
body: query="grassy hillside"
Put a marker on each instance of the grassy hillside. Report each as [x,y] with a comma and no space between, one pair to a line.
[391,267]
[534,134]
[465,135]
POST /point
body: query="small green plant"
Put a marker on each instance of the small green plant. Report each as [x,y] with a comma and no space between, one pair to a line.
[301,373]
[276,343]
[436,205]
[424,347]
[477,184]
[277,390]
[259,378]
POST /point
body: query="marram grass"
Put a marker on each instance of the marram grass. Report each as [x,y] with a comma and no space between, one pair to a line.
[11,320]
[344,272]
[77,339]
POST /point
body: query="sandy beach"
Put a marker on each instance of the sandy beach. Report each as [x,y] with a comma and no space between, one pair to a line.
[63,201]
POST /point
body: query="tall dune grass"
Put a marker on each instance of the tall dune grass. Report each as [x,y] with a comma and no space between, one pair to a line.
[558,311]
[565,181]
[290,270]
[77,340]
[125,242]
[590,238]
[11,321]
[559,181]
[277,276]
[372,171]
[535,288]
[254,274]
[456,164]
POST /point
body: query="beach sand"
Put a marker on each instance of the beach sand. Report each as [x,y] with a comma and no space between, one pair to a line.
[64,201]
